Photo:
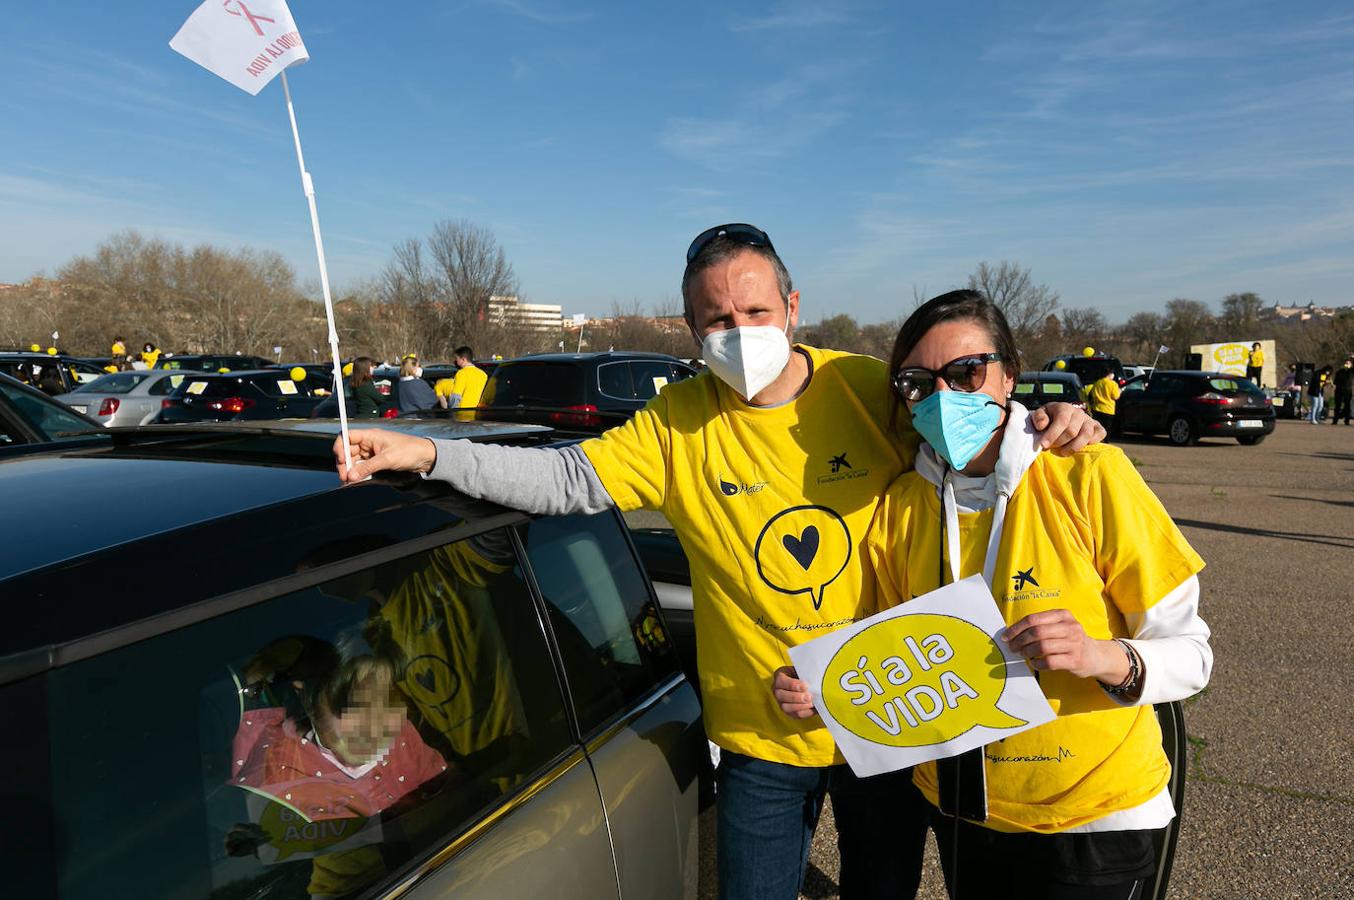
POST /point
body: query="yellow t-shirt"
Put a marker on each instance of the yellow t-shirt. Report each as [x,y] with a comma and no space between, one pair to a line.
[150,358]
[771,506]
[469,383]
[1102,394]
[444,387]
[1083,533]
[1257,359]
[119,349]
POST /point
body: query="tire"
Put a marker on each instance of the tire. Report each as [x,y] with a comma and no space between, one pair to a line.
[1182,432]
[1250,440]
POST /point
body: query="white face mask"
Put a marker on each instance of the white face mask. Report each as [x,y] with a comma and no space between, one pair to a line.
[747,358]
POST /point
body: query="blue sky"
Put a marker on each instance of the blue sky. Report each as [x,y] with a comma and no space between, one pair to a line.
[1127,153]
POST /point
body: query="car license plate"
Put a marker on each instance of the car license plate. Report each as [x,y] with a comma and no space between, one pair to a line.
[1250,423]
[80,409]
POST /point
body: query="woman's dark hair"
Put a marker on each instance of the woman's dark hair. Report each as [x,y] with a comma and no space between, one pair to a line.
[361,371]
[962,305]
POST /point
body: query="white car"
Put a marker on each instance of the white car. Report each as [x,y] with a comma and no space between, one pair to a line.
[124,398]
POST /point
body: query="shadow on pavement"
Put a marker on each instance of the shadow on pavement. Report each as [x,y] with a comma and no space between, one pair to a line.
[1313,500]
[1330,540]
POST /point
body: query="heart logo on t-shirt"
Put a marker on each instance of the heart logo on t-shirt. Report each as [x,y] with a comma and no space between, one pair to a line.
[803,548]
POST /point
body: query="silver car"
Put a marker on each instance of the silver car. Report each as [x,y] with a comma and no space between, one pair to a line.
[124,398]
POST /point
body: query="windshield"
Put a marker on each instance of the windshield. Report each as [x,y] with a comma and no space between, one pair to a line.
[535,384]
[117,383]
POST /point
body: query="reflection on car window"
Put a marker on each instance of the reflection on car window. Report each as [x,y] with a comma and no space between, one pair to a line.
[613,643]
[307,746]
[117,383]
[649,378]
[613,380]
[51,419]
[1135,386]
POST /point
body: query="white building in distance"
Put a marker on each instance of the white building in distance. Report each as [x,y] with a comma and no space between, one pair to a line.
[539,317]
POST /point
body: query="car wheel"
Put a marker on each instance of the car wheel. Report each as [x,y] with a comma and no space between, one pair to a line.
[1250,440]
[1182,432]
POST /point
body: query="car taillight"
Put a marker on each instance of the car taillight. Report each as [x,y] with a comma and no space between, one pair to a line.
[391,413]
[1214,397]
[166,403]
[109,406]
[231,404]
[574,418]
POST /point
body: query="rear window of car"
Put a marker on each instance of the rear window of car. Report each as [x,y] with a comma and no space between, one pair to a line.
[536,384]
[207,387]
[279,386]
[118,383]
[209,761]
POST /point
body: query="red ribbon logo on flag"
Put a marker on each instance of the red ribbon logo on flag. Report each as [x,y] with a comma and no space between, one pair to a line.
[244,11]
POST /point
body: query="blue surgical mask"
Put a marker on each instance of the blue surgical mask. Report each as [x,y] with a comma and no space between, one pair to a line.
[957,425]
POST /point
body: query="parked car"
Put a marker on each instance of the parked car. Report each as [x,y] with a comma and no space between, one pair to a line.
[212,362]
[1088,368]
[238,396]
[579,390]
[30,420]
[52,374]
[542,740]
[1133,370]
[124,398]
[1034,389]
[1188,406]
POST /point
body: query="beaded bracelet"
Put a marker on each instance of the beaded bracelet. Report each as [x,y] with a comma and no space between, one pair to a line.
[1130,683]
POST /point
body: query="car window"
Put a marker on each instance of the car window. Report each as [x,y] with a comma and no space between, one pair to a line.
[279,386]
[116,383]
[614,380]
[649,377]
[610,636]
[163,386]
[1139,385]
[207,387]
[310,745]
[1165,384]
[11,431]
[1052,388]
[535,384]
[1023,389]
[50,418]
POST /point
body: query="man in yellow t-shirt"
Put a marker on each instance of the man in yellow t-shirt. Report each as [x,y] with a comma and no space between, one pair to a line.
[768,465]
[1255,363]
[464,389]
[1101,398]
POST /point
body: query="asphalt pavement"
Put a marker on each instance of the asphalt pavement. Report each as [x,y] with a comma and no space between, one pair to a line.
[1269,809]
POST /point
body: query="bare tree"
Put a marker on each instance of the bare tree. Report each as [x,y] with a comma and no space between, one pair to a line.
[471,268]
[1026,304]
[1241,314]
[1086,325]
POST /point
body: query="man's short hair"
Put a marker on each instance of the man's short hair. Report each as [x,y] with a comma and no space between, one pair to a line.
[465,352]
[724,248]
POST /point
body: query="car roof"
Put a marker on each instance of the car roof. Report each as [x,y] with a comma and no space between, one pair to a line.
[1048,376]
[585,357]
[97,525]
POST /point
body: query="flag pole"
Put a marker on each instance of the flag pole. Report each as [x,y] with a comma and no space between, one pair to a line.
[309,187]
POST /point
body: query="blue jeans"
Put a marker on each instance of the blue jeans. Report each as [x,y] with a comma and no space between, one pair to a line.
[767,814]
[1318,406]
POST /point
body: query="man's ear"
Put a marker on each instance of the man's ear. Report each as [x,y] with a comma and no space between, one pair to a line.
[792,310]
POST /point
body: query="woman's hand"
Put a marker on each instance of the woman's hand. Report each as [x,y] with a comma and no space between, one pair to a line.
[1065,429]
[1053,640]
[792,694]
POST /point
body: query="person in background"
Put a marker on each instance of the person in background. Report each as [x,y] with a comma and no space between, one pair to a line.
[150,355]
[412,393]
[1255,363]
[1102,396]
[367,399]
[1316,392]
[1344,391]
[464,390]
[119,347]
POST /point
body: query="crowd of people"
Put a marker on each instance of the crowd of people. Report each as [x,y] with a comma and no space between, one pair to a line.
[1324,381]
[937,445]
[410,392]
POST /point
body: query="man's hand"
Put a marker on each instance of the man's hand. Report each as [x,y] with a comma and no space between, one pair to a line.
[1065,429]
[792,694]
[374,450]
[1053,640]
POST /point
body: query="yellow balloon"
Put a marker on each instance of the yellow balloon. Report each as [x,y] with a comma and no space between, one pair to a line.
[223,371]
[1060,364]
[297,373]
[347,369]
[51,351]
[35,348]
[1088,351]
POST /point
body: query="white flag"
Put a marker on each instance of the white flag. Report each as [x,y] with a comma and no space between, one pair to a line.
[1163,349]
[246,42]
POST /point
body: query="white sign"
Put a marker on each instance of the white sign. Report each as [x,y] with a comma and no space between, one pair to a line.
[925,680]
[246,42]
[580,318]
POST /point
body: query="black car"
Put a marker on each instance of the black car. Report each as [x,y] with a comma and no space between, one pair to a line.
[30,420]
[591,391]
[1088,368]
[51,373]
[1188,405]
[173,686]
[239,396]
[212,362]
[1034,389]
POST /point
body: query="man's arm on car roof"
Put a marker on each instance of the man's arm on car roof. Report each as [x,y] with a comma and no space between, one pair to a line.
[541,480]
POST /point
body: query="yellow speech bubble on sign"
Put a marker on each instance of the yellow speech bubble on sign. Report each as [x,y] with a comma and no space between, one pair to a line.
[914,681]
[802,550]
[290,833]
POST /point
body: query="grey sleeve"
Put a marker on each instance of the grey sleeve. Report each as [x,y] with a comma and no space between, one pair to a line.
[542,480]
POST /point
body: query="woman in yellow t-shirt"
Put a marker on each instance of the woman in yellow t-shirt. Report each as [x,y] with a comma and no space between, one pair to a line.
[1100,594]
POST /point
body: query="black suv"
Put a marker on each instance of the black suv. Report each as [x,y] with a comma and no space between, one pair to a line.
[588,391]
[212,362]
[53,374]
[240,396]
[1088,369]
[1189,405]
[30,420]
[266,684]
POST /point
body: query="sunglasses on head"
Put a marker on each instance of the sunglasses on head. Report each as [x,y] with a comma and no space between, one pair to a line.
[967,374]
[738,231]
